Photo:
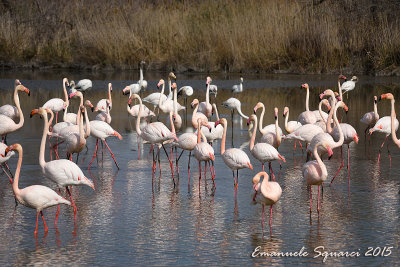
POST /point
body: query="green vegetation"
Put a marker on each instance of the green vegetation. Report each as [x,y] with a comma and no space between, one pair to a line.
[225,35]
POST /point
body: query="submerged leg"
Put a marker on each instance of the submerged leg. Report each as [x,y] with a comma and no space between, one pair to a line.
[341,165]
[95,153]
[112,155]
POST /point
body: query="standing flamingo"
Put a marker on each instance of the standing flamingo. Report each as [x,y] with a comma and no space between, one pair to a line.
[267,193]
[9,110]
[3,161]
[315,171]
[37,197]
[273,138]
[57,104]
[177,118]
[197,115]
[291,126]
[216,130]
[238,88]
[307,117]
[264,152]
[102,104]
[206,107]
[105,115]
[390,97]
[8,125]
[62,172]
[271,128]
[234,158]
[370,118]
[185,91]
[203,152]
[348,86]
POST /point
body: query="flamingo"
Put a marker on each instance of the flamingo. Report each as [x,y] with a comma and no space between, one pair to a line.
[105,115]
[196,115]
[348,86]
[142,83]
[8,125]
[9,110]
[315,171]
[393,119]
[203,152]
[307,117]
[370,118]
[305,133]
[37,197]
[216,130]
[324,119]
[213,89]
[264,152]
[267,193]
[234,158]
[269,128]
[135,88]
[83,85]
[62,172]
[177,121]
[76,141]
[57,104]
[102,104]
[291,126]
[273,138]
[206,107]
[384,125]
[154,98]
[153,133]
[232,104]
[185,91]
[238,88]
[102,130]
[3,161]
[134,111]
[168,105]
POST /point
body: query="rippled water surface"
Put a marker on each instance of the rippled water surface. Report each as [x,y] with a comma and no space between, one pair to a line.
[134,219]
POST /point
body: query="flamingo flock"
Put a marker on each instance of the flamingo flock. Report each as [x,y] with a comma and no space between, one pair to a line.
[312,127]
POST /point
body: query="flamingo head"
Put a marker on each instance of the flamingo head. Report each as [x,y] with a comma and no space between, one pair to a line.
[126,90]
[205,123]
[209,80]
[89,104]
[329,149]
[325,102]
[337,96]
[375,99]
[194,103]
[259,105]
[346,108]
[285,111]
[305,85]
[342,77]
[110,87]
[221,121]
[173,86]
[161,82]
[355,138]
[65,81]
[22,88]
[133,96]
[252,117]
[17,82]
[171,75]
[14,147]
[276,113]
[354,78]
[33,112]
[386,96]
[71,95]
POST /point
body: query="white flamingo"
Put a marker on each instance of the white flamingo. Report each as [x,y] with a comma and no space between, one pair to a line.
[234,158]
[267,193]
[206,107]
[273,138]
[307,117]
[10,110]
[37,197]
[57,104]
[238,88]
[168,105]
[370,118]
[177,121]
[216,130]
[269,128]
[262,151]
[83,85]
[105,115]
[197,115]
[291,126]
[348,86]
[185,91]
[102,104]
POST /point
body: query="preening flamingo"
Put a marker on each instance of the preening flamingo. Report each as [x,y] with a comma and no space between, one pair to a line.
[238,88]
[37,197]
[315,171]
[206,107]
[102,104]
[307,117]
[234,158]
[216,130]
[62,172]
[264,152]
[370,118]
[82,85]
[57,104]
[267,193]
[9,110]
[203,152]
[8,125]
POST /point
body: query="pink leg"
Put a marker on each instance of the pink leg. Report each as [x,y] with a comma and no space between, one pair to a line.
[262,220]
[381,149]
[9,177]
[72,201]
[44,222]
[270,216]
[263,166]
[318,199]
[37,222]
[310,198]
[212,174]
[348,163]
[95,153]
[271,171]
[170,164]
[58,209]
[199,175]
[112,155]
[190,153]
[341,166]
[301,146]
[138,147]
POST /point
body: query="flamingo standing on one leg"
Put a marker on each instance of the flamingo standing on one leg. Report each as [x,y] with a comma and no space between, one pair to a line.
[36,197]
[315,171]
[267,193]
[262,151]
[234,158]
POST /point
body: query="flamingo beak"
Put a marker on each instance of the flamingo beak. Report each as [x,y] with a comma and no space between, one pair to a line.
[129,102]
[249,165]
[321,95]
[355,138]
[330,153]
[248,122]
[27,91]
[33,112]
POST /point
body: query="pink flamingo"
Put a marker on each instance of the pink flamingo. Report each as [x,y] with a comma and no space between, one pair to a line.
[154,133]
[102,104]
[105,115]
[267,193]
[168,105]
[264,152]
[291,126]
[273,138]
[307,117]
[216,130]
[370,118]
[206,107]
[7,124]
[62,172]
[154,98]
[57,104]
[177,118]
[197,115]
[305,133]
[269,128]
[234,158]
[9,110]
[315,171]
[390,97]
[37,197]
[3,161]
[203,151]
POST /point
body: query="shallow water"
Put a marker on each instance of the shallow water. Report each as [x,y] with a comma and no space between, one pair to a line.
[134,219]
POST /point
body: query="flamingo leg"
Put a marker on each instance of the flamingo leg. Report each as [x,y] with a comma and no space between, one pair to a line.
[95,153]
[301,146]
[190,153]
[77,157]
[112,155]
[212,175]
[159,160]
[154,163]
[270,216]
[262,165]
[9,178]
[138,146]
[262,220]
[170,164]
[271,172]
[58,209]
[341,166]
[72,201]
[44,222]
[390,158]
[381,148]
[205,174]
[37,222]
[348,163]
[199,176]
[318,200]
[310,199]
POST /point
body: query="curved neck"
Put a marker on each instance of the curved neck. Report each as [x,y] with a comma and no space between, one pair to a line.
[87,125]
[138,131]
[198,131]
[307,99]
[239,110]
[17,172]
[171,122]
[175,102]
[320,163]
[65,91]
[223,139]
[253,136]
[286,121]
[42,161]
[194,119]
[216,112]
[109,93]
[261,120]
[393,130]
[335,120]
[278,136]
[376,115]
[21,115]
[331,113]
[160,104]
